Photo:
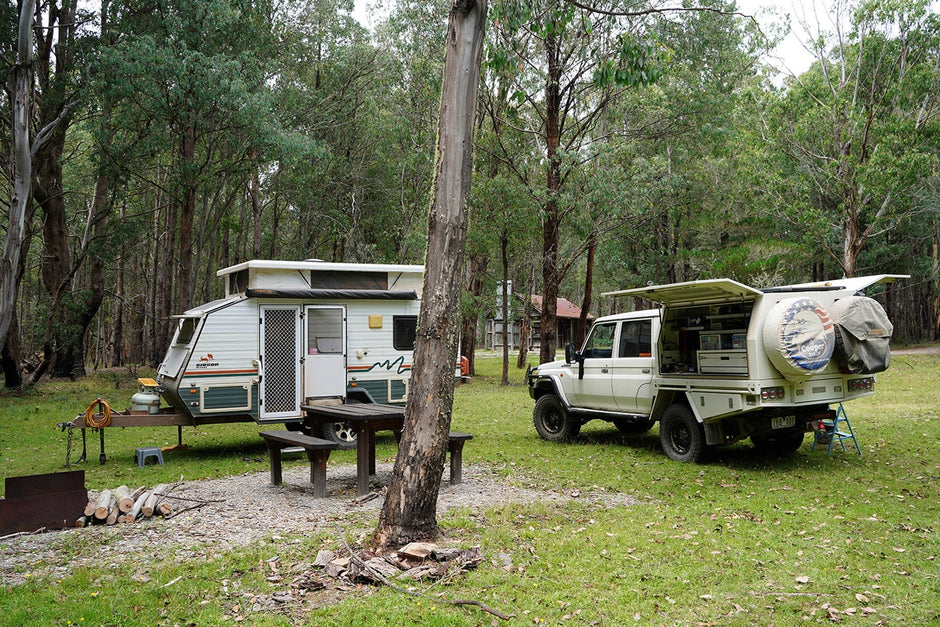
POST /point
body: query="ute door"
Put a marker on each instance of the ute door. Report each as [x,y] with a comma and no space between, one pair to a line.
[594,391]
[325,357]
[280,362]
[632,370]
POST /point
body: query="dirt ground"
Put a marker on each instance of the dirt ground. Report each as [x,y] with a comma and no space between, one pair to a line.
[235,511]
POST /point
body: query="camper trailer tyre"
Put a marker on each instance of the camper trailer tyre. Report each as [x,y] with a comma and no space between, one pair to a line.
[340,432]
[298,427]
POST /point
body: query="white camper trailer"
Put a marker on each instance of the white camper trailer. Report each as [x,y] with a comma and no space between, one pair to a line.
[289,334]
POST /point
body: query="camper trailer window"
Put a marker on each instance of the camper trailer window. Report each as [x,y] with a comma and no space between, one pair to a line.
[404,329]
[187,327]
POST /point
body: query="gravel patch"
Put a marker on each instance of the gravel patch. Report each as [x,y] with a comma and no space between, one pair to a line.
[246,508]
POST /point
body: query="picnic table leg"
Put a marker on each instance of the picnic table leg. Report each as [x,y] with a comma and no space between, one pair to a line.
[365,462]
[371,452]
[456,461]
[275,453]
[318,471]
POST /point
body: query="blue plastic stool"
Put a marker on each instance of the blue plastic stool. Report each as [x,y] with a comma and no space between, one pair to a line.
[149,451]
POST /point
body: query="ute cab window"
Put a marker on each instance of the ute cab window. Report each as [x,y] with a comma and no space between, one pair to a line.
[601,342]
[636,339]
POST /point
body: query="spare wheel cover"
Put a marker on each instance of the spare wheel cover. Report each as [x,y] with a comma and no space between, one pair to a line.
[799,337]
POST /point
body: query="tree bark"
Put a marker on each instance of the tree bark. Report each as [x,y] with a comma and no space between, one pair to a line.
[409,512]
[507,323]
[588,290]
[468,338]
[550,223]
[22,163]
[254,196]
[187,219]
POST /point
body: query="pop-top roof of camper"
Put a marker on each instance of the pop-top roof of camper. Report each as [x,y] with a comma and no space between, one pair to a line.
[321,279]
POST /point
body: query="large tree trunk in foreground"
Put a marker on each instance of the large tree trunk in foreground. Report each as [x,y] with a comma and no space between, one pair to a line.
[410,509]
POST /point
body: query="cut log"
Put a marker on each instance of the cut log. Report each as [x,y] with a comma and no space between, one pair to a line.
[102,505]
[153,500]
[113,514]
[81,521]
[136,493]
[124,500]
[164,508]
[138,505]
[90,508]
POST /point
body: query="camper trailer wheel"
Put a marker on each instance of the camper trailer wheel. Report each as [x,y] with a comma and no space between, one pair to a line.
[301,427]
[341,433]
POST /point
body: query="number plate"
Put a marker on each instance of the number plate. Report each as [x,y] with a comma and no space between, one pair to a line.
[782,422]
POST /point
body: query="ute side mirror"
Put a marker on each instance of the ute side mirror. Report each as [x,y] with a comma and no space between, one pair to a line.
[572,355]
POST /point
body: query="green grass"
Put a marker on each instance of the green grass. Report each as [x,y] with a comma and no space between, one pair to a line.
[742,540]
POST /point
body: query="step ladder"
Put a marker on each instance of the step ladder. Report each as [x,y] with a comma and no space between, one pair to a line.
[838,429]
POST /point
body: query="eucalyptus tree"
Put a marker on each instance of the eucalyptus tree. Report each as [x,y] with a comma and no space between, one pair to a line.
[857,131]
[187,79]
[410,509]
[412,41]
[566,64]
[20,171]
[682,146]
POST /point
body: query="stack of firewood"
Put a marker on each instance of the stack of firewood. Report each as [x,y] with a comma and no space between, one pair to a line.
[122,505]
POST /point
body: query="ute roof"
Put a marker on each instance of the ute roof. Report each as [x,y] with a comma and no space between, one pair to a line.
[723,290]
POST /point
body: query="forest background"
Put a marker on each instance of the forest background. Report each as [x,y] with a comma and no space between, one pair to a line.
[617,144]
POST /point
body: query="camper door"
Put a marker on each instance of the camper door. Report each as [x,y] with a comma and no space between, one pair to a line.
[280,362]
[325,358]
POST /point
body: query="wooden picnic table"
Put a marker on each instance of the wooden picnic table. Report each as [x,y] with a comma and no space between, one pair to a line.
[365,419]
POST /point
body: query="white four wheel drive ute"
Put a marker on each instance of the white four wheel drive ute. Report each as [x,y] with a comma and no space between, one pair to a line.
[719,362]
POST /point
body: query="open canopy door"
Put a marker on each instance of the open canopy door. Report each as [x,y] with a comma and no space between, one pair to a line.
[692,292]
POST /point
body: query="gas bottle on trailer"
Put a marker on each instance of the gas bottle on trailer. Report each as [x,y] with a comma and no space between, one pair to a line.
[147,398]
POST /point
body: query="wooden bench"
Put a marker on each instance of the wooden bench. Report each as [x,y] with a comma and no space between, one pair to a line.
[317,450]
[455,442]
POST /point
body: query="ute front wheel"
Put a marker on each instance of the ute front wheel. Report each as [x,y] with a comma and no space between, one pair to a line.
[552,420]
[681,435]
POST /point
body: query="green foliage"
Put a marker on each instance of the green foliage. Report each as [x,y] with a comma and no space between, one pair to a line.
[635,63]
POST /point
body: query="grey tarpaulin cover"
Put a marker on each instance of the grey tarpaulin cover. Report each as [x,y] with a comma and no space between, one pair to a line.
[863,331]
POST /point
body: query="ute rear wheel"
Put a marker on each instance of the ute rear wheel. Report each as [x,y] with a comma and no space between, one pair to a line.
[552,421]
[681,435]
